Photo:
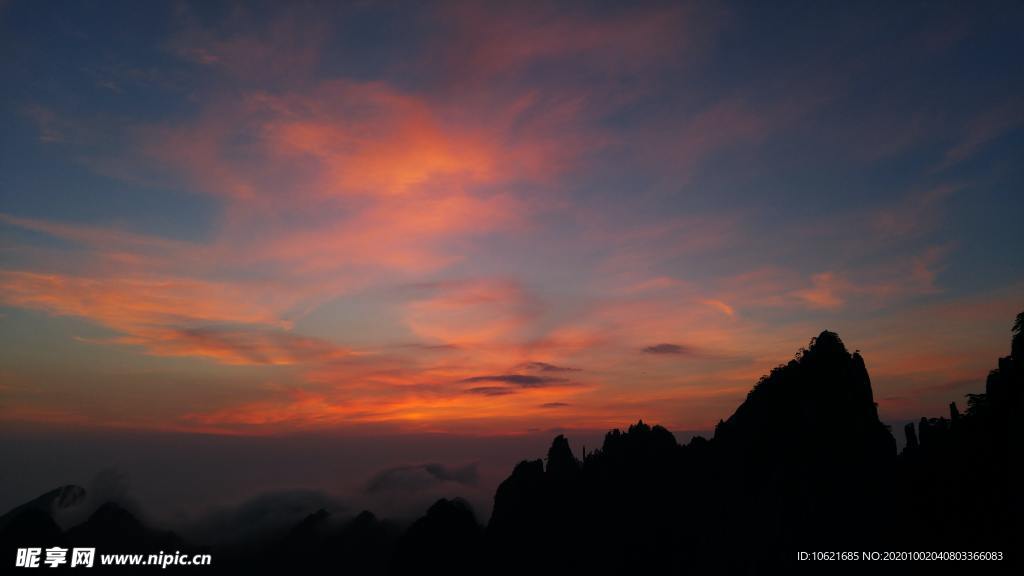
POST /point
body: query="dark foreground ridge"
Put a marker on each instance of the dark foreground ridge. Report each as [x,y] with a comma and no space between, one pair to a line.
[804,464]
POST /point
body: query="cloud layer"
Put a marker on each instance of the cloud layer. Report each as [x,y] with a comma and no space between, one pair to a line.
[495,218]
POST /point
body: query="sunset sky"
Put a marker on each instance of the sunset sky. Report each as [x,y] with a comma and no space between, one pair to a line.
[470,218]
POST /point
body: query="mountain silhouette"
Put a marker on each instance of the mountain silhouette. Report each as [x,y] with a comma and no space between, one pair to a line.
[113,528]
[445,541]
[965,470]
[803,464]
[806,456]
[34,522]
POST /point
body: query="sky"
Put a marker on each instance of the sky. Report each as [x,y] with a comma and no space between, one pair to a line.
[497,219]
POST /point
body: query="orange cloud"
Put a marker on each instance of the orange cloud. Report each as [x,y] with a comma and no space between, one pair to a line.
[235,345]
[340,139]
[369,139]
[825,291]
[722,306]
[883,285]
[471,313]
[408,407]
[169,316]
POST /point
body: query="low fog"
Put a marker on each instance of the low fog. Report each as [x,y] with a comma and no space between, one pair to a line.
[215,489]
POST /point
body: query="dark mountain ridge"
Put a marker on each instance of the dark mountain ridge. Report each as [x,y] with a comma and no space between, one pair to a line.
[803,464]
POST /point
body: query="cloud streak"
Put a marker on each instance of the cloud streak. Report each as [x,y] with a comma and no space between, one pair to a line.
[668,349]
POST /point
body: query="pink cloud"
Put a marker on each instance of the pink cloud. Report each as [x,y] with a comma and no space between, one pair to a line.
[825,291]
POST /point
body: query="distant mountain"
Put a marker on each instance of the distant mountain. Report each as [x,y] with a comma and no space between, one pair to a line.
[448,537]
[111,528]
[49,503]
[33,521]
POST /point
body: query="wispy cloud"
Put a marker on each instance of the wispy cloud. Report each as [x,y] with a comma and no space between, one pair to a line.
[985,127]
[523,380]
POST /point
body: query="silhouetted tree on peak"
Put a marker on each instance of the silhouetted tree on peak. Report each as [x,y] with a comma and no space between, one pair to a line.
[1017,343]
[639,428]
[1004,387]
[640,440]
[977,404]
[825,344]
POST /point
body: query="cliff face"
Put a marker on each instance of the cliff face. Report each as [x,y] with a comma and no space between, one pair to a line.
[801,460]
[804,463]
[962,473]
[805,460]
[818,406]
